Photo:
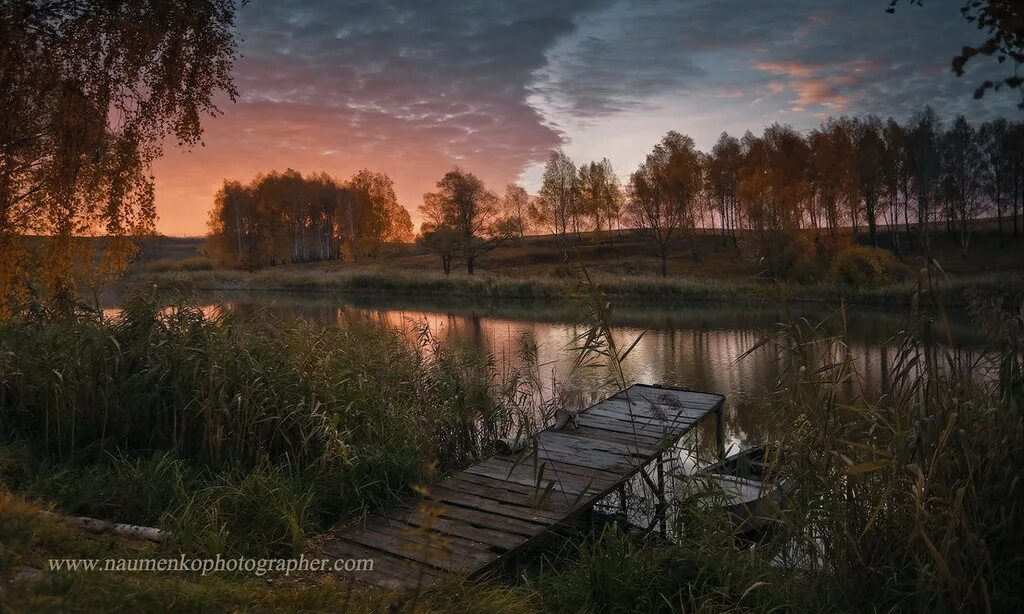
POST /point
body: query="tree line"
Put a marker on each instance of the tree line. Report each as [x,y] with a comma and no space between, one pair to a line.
[850,174]
[463,219]
[781,197]
[288,217]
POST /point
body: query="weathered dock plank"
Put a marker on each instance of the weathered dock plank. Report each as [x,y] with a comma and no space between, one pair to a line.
[474,519]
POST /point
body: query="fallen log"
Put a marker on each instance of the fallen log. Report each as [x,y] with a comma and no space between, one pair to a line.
[95,525]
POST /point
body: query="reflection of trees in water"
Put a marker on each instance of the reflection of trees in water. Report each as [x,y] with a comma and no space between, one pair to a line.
[700,348]
[863,324]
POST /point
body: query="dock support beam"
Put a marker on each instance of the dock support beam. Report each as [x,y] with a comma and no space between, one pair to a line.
[660,517]
[720,430]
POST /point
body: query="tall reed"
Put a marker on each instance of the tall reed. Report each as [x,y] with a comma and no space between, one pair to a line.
[214,407]
[908,499]
[904,499]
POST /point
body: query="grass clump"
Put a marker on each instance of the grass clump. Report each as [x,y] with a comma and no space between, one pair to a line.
[705,570]
[242,435]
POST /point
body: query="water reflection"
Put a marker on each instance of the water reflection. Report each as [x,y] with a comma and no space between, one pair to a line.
[693,346]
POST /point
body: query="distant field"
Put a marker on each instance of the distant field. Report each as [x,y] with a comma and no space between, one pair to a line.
[170,248]
[624,253]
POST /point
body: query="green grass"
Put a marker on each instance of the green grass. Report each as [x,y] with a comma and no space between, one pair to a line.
[381,281]
[534,267]
[29,536]
[238,435]
[705,571]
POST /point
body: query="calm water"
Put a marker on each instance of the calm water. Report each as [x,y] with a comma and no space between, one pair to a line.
[690,345]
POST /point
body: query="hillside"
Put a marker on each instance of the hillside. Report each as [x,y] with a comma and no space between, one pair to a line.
[624,253]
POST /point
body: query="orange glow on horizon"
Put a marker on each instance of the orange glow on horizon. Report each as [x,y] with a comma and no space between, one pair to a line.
[257,137]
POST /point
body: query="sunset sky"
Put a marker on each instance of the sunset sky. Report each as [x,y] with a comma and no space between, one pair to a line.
[415,88]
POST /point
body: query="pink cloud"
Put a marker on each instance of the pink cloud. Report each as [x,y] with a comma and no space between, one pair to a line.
[816,84]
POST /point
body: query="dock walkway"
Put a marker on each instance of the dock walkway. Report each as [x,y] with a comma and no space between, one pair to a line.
[475,519]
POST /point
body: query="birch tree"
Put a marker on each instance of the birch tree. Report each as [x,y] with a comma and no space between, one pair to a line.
[90,91]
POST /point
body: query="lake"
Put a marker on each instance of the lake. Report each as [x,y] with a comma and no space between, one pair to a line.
[690,345]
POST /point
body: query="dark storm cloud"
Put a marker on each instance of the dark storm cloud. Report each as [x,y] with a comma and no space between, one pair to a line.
[412,66]
[841,56]
[413,88]
[627,52]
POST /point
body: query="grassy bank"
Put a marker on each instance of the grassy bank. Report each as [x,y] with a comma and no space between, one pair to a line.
[248,437]
[624,263]
[954,291]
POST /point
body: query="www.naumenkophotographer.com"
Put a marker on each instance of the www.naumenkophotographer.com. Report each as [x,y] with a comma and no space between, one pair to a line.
[204,566]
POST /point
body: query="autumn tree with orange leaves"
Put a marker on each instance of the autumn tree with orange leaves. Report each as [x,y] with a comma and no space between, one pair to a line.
[463,220]
[663,194]
[282,218]
[90,90]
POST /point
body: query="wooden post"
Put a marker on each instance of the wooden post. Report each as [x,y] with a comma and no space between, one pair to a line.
[586,521]
[661,496]
[720,430]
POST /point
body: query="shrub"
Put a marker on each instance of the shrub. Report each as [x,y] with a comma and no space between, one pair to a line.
[865,267]
[787,256]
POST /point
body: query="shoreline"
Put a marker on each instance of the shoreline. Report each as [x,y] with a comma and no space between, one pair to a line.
[391,282]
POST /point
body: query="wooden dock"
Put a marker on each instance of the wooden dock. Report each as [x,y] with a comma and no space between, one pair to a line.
[474,520]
